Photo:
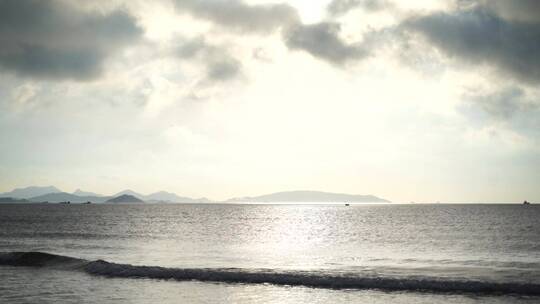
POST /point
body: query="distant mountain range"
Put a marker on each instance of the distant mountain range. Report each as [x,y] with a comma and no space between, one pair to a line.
[163,196]
[79,192]
[30,192]
[54,195]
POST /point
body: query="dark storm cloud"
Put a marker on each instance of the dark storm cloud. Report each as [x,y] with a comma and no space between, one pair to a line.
[51,40]
[341,7]
[220,64]
[241,16]
[322,40]
[481,36]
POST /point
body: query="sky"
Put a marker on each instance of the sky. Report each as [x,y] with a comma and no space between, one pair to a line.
[423,100]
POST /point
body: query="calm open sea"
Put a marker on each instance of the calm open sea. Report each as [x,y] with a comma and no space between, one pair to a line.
[269,253]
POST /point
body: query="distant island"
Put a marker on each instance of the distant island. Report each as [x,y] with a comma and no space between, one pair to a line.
[40,195]
[13,200]
[67,197]
[125,198]
[311,196]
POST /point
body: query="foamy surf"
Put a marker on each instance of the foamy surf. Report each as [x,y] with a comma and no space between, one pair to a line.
[307,279]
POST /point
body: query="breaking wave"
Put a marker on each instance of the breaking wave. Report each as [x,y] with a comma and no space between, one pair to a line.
[308,279]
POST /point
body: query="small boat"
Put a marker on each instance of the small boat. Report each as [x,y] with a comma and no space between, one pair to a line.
[347,204]
[87,203]
[526,203]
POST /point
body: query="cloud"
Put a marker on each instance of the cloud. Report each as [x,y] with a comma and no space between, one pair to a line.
[502,104]
[219,63]
[240,16]
[322,40]
[481,36]
[521,11]
[510,108]
[224,69]
[24,94]
[341,7]
[53,40]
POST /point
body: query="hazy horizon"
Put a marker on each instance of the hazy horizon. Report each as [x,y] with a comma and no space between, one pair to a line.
[85,192]
[419,101]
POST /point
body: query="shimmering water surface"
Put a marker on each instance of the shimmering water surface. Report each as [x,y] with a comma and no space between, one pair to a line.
[490,244]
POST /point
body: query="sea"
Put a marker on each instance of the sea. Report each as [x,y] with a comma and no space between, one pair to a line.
[269,253]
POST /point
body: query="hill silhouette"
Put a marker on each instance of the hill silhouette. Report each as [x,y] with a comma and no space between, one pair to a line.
[125,198]
[29,192]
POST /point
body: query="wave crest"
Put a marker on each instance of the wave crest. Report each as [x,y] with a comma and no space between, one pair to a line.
[308,279]
[40,259]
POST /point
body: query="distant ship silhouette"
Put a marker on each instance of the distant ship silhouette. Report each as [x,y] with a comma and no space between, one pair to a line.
[526,203]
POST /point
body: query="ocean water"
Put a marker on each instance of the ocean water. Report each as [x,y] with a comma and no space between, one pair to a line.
[369,253]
